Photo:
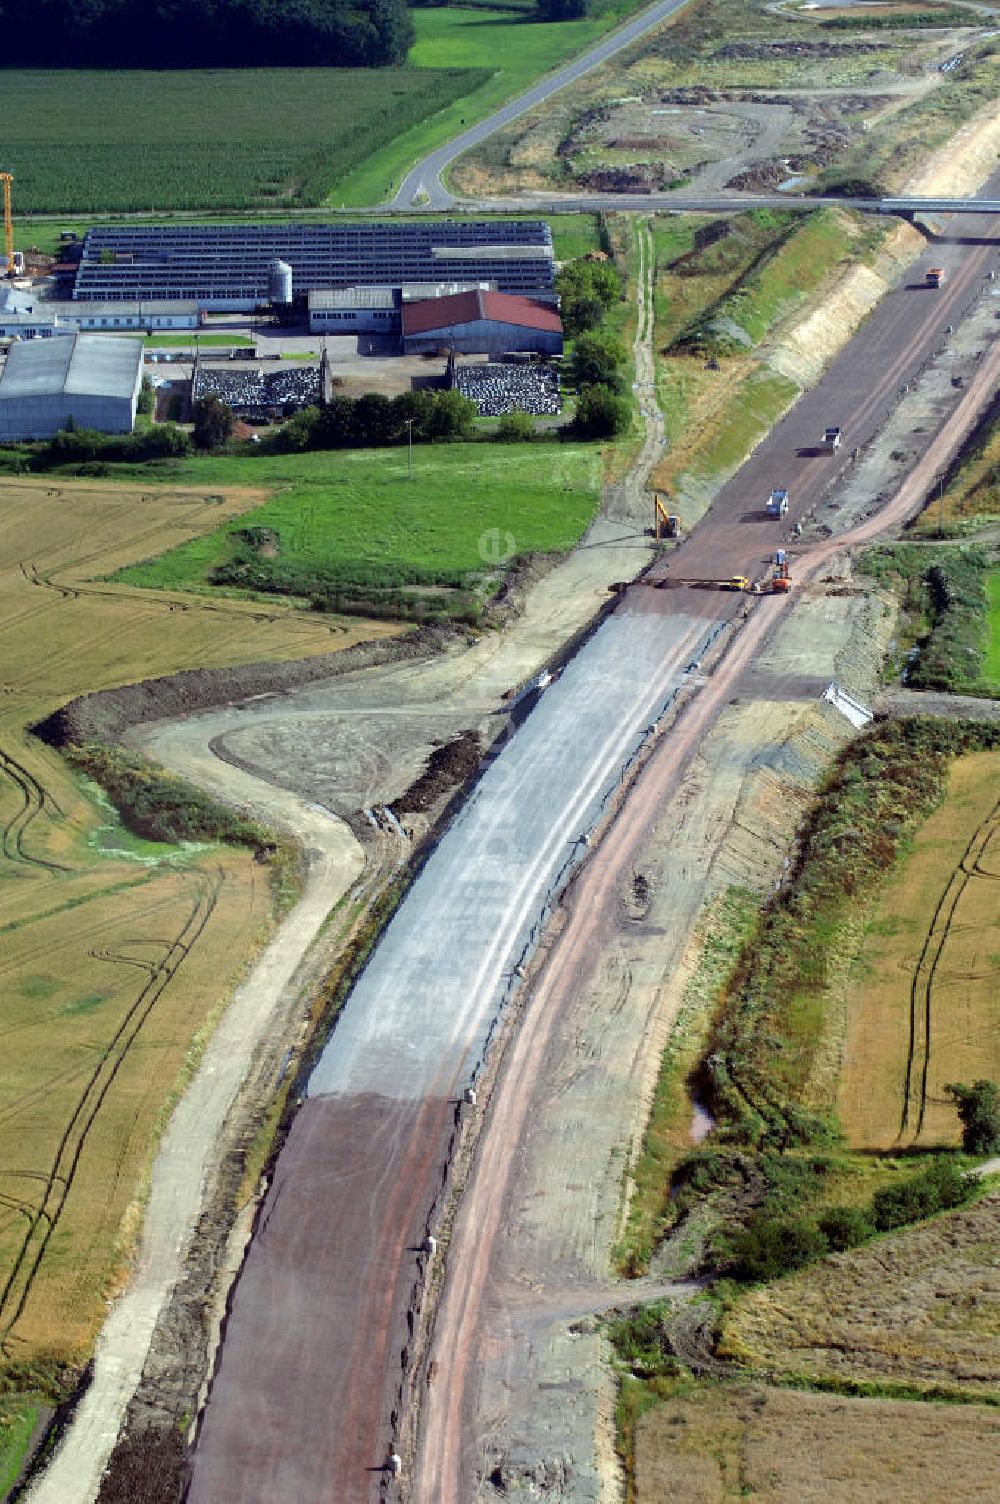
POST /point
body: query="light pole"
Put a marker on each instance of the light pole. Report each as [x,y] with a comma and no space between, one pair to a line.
[940,506]
[409,447]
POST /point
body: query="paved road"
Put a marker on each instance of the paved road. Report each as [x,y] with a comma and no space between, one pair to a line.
[422,187]
[858,392]
[711,203]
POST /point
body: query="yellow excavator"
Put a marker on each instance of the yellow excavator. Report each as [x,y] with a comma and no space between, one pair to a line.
[666,524]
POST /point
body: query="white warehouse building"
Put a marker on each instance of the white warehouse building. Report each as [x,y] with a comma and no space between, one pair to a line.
[91,379]
[25,316]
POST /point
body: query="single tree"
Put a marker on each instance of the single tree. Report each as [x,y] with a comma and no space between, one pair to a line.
[601,414]
[597,360]
[979,1113]
[451,417]
[213,422]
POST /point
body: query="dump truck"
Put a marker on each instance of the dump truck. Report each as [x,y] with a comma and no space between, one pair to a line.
[777,503]
[831,440]
[737,582]
[934,276]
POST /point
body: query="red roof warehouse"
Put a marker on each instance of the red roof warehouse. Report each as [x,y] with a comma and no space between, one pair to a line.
[478,322]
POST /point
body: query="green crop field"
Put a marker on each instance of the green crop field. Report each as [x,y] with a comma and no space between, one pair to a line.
[237,139]
[206,139]
[357,520]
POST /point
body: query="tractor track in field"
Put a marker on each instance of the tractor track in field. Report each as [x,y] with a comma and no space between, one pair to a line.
[36,801]
[969,867]
[58,1180]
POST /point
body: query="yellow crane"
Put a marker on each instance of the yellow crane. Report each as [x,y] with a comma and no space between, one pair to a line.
[6,178]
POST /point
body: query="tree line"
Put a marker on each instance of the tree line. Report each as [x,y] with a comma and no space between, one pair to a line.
[205,33]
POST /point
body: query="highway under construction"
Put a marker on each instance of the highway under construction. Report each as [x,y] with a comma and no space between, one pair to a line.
[315,1377]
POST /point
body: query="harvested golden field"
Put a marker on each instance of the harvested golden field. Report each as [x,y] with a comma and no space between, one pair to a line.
[780,1446]
[115,952]
[925,1007]
[919,1307]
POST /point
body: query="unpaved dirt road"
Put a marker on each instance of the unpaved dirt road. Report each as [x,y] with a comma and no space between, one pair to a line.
[187,1151]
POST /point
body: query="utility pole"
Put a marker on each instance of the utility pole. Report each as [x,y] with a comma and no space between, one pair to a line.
[940,506]
[409,448]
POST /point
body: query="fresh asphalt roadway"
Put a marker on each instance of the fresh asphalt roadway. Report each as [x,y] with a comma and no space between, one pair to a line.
[422,187]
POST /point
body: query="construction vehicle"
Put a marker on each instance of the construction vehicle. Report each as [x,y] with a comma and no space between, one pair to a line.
[738,582]
[781,580]
[777,503]
[934,276]
[665,524]
[6,178]
[831,440]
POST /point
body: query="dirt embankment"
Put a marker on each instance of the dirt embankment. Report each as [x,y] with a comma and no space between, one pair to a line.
[108,714]
[805,346]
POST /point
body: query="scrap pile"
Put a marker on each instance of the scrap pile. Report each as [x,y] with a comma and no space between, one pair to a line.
[498,388]
[253,392]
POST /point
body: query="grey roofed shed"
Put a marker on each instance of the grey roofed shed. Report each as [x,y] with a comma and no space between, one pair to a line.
[92,379]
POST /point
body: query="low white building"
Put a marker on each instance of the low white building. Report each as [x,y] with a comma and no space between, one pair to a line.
[23,315]
[88,379]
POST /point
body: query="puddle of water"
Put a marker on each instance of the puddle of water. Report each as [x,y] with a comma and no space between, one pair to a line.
[702,1122]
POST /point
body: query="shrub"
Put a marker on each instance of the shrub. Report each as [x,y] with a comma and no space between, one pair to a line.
[845,1227]
[85,446]
[772,1246]
[939,1187]
[516,427]
[159,806]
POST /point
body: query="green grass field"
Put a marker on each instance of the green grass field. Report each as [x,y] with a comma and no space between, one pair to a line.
[187,341]
[207,139]
[514,49]
[18,1417]
[356,521]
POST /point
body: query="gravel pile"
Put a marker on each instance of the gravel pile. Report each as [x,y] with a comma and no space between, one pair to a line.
[501,388]
[255,391]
